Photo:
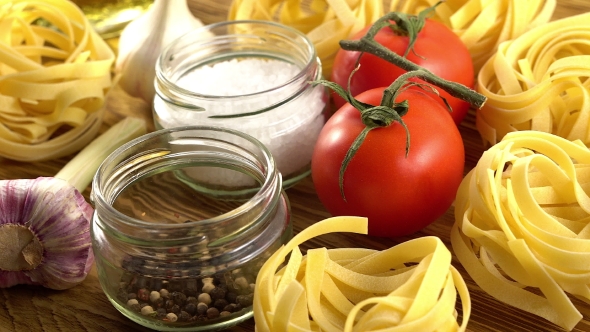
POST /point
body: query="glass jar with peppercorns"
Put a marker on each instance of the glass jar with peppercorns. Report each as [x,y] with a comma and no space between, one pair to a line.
[185,217]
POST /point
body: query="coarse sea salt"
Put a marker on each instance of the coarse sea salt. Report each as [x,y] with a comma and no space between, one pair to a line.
[289,129]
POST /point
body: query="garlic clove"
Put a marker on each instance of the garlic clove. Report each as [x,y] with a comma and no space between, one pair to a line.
[142,41]
[44,233]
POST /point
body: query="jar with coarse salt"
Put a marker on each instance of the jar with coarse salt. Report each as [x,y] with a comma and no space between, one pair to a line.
[251,76]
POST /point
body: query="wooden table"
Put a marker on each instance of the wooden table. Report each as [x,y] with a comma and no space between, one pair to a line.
[86,308]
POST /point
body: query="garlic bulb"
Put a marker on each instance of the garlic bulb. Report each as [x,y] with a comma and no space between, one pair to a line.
[45,222]
[142,41]
[44,233]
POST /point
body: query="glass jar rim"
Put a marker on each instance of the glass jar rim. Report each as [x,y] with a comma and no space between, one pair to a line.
[272,180]
[162,78]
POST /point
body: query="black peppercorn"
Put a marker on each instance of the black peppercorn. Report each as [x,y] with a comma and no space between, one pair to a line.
[169,304]
[161,312]
[192,299]
[202,308]
[231,297]
[184,316]
[220,304]
[212,313]
[178,298]
[230,307]
[217,293]
[175,309]
[190,308]
[245,300]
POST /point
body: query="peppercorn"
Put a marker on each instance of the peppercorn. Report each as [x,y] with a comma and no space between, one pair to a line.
[231,297]
[202,308]
[178,298]
[132,302]
[184,316]
[230,307]
[171,317]
[204,298]
[154,296]
[169,304]
[143,294]
[164,293]
[224,313]
[212,313]
[161,312]
[131,296]
[217,293]
[190,308]
[220,304]
[192,299]
[245,300]
[147,310]
[241,282]
[175,309]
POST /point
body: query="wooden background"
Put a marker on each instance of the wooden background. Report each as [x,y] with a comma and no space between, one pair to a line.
[86,308]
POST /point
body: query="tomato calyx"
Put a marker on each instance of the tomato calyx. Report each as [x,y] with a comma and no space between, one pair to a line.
[409,25]
[382,115]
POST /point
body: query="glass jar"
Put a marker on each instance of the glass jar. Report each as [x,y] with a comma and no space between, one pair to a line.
[252,76]
[167,254]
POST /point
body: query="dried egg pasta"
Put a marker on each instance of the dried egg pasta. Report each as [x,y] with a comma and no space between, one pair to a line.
[409,287]
[539,81]
[483,24]
[54,73]
[522,221]
[325,22]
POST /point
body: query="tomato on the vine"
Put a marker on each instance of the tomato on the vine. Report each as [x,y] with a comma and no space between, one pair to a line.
[398,194]
[436,48]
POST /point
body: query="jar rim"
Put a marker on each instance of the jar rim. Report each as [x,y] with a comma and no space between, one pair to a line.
[164,79]
[272,180]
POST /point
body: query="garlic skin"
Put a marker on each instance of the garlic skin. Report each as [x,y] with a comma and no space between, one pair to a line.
[44,233]
[142,41]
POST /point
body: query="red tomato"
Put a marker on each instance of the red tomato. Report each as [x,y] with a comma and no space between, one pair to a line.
[436,48]
[399,195]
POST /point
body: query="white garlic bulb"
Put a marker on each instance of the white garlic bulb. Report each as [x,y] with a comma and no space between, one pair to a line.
[142,41]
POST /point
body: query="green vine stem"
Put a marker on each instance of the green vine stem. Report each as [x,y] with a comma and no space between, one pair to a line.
[367,44]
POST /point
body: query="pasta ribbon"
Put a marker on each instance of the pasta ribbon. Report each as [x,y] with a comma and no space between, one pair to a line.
[483,25]
[539,81]
[55,72]
[409,287]
[325,22]
[522,224]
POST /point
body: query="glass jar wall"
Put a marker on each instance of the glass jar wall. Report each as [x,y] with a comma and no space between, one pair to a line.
[171,256]
[251,76]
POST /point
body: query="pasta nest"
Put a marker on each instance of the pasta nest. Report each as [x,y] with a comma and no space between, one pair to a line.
[409,287]
[522,228]
[483,25]
[539,81]
[55,72]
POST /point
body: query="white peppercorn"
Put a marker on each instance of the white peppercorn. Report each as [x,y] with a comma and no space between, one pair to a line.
[204,298]
[154,296]
[132,302]
[241,282]
[147,310]
[172,317]
[164,292]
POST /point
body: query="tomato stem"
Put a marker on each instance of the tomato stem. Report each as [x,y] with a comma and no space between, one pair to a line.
[367,44]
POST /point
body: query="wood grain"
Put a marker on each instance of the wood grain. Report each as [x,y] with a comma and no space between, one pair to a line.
[86,308]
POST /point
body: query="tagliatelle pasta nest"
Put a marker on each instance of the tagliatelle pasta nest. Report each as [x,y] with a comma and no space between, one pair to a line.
[522,222]
[483,24]
[409,287]
[539,81]
[325,22]
[54,74]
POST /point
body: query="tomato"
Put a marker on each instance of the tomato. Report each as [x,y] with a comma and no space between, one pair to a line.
[398,194]
[436,48]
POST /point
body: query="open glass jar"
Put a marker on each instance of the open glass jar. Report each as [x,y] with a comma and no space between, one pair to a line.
[172,257]
[252,76]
